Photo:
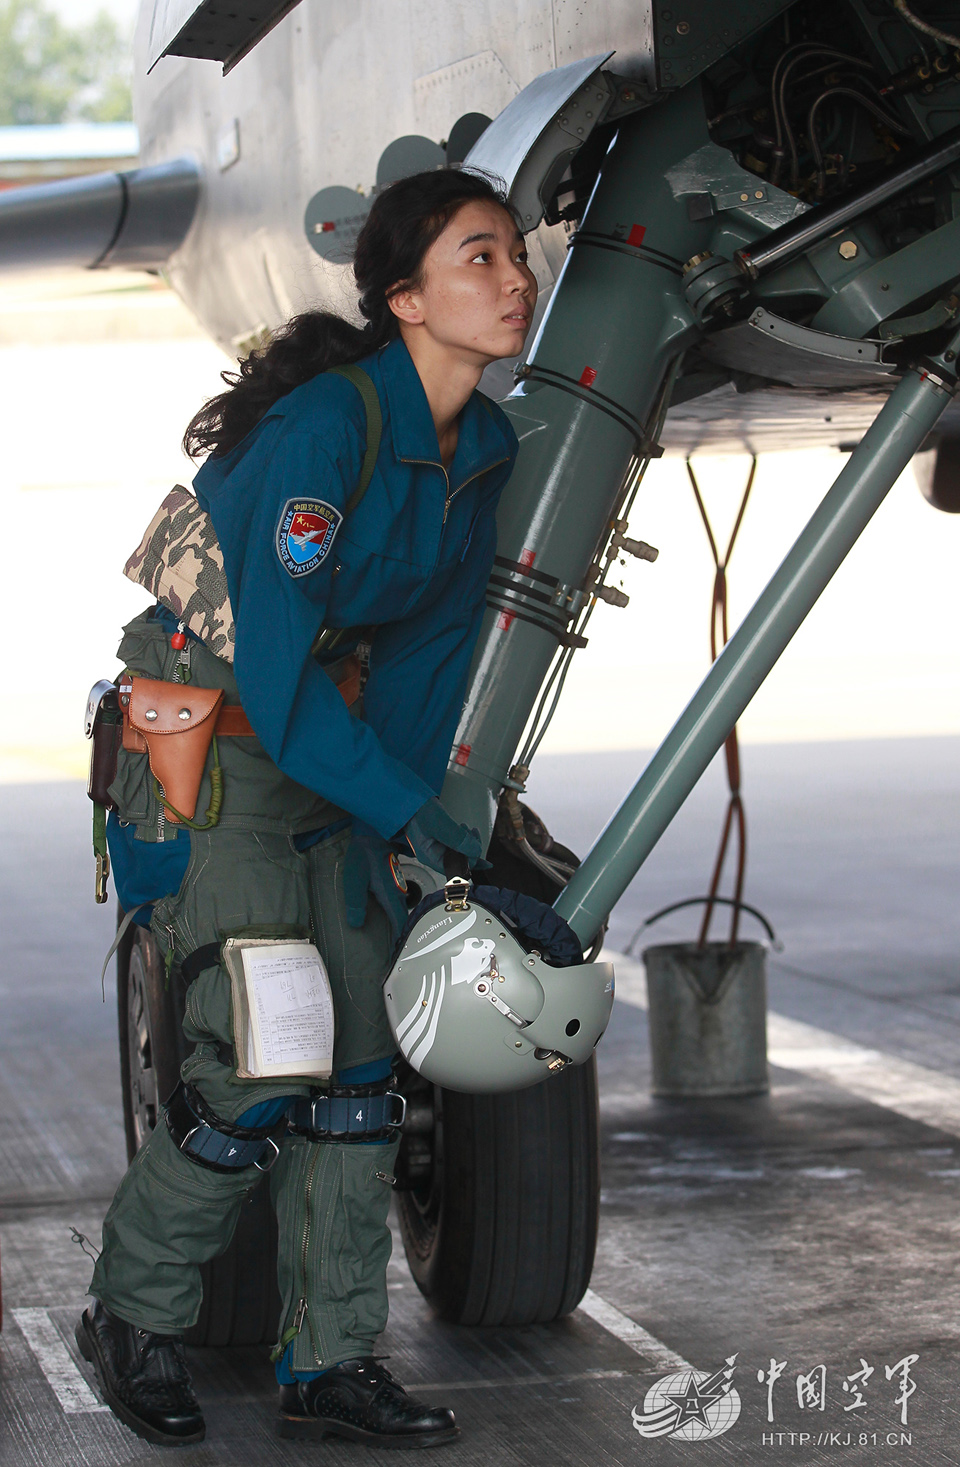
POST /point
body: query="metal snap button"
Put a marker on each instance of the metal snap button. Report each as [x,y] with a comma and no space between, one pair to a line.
[184,714]
[151,715]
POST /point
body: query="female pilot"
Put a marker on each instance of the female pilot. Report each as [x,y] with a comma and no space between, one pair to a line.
[316,799]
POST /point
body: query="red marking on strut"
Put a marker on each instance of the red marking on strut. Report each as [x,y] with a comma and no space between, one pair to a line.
[463,754]
[328,225]
[588,376]
[635,237]
[505,621]
[527,557]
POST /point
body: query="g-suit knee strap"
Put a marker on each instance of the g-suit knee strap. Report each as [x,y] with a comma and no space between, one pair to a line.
[371,1112]
[214,1143]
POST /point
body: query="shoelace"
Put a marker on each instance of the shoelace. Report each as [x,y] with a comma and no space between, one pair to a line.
[381,1376]
[165,1353]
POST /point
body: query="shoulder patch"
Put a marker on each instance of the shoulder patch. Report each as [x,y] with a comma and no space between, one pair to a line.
[305,534]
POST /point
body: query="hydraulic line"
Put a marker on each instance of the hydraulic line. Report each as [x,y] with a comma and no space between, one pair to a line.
[735,817]
[632,481]
[794,239]
[870,105]
[909,414]
[922,25]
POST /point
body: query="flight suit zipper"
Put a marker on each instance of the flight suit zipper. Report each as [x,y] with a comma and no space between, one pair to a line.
[303,1310]
[451,494]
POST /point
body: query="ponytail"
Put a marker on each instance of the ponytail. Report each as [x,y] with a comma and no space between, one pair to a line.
[404,221]
[304,347]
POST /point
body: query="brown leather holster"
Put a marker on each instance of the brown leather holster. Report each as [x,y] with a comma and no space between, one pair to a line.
[174,724]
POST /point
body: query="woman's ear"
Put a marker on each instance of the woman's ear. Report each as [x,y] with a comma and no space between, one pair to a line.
[406,306]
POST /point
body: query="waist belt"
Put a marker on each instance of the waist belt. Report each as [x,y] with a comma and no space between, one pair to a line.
[174,724]
[214,1143]
[231,721]
[349,1113]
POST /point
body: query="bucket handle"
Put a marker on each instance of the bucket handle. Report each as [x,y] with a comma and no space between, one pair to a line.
[775,942]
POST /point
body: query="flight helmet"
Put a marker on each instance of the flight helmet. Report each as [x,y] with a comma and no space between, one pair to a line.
[475,1006]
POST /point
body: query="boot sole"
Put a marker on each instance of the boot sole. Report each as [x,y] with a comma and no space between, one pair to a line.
[88,1349]
[300,1428]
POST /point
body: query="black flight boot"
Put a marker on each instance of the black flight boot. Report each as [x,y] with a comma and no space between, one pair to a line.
[143,1377]
[360,1399]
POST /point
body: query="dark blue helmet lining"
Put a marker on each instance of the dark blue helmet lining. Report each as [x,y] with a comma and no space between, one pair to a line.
[535,925]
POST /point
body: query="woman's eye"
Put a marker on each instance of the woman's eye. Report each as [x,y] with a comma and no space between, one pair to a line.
[523,258]
[483,255]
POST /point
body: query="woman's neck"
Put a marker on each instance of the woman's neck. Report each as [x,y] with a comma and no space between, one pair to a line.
[448,381]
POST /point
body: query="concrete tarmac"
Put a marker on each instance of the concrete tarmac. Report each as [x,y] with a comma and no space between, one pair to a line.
[811,1233]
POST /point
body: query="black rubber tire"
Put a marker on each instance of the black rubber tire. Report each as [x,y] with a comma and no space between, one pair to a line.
[500,1194]
[149,1032]
[503,1228]
[241,1301]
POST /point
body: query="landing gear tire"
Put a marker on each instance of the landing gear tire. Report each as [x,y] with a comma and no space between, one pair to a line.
[499,1200]
[241,1302]
[149,1035]
[499,1195]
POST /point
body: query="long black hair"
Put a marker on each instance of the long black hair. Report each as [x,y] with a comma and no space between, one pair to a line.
[404,221]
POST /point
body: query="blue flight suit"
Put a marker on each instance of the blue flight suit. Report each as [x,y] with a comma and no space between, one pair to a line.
[412,560]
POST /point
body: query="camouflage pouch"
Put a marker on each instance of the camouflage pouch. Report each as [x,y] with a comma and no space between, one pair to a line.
[179,561]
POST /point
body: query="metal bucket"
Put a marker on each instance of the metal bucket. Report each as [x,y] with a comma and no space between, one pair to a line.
[708,1019]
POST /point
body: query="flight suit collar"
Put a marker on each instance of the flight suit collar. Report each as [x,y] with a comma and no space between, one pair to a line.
[481,442]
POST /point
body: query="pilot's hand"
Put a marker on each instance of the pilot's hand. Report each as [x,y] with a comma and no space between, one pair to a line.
[431,833]
[369,870]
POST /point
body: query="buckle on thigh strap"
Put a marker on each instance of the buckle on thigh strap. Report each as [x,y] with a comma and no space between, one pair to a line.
[214,1143]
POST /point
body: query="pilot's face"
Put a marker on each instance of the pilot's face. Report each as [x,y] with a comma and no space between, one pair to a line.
[477,291]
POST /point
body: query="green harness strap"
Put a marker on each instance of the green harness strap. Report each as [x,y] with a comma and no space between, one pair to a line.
[371,402]
[100,851]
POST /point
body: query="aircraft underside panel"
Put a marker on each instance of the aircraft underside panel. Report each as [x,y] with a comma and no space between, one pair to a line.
[773,419]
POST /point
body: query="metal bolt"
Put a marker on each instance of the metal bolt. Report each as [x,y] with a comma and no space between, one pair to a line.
[184,714]
[683,27]
[744,198]
[151,715]
[848,249]
[758,194]
[949,356]
[518,1044]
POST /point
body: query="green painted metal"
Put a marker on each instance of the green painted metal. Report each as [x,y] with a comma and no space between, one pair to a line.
[690,37]
[890,286]
[577,437]
[897,432]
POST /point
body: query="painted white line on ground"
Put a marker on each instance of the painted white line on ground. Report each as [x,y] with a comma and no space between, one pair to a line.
[899,1085]
[631,1333]
[51,1354]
